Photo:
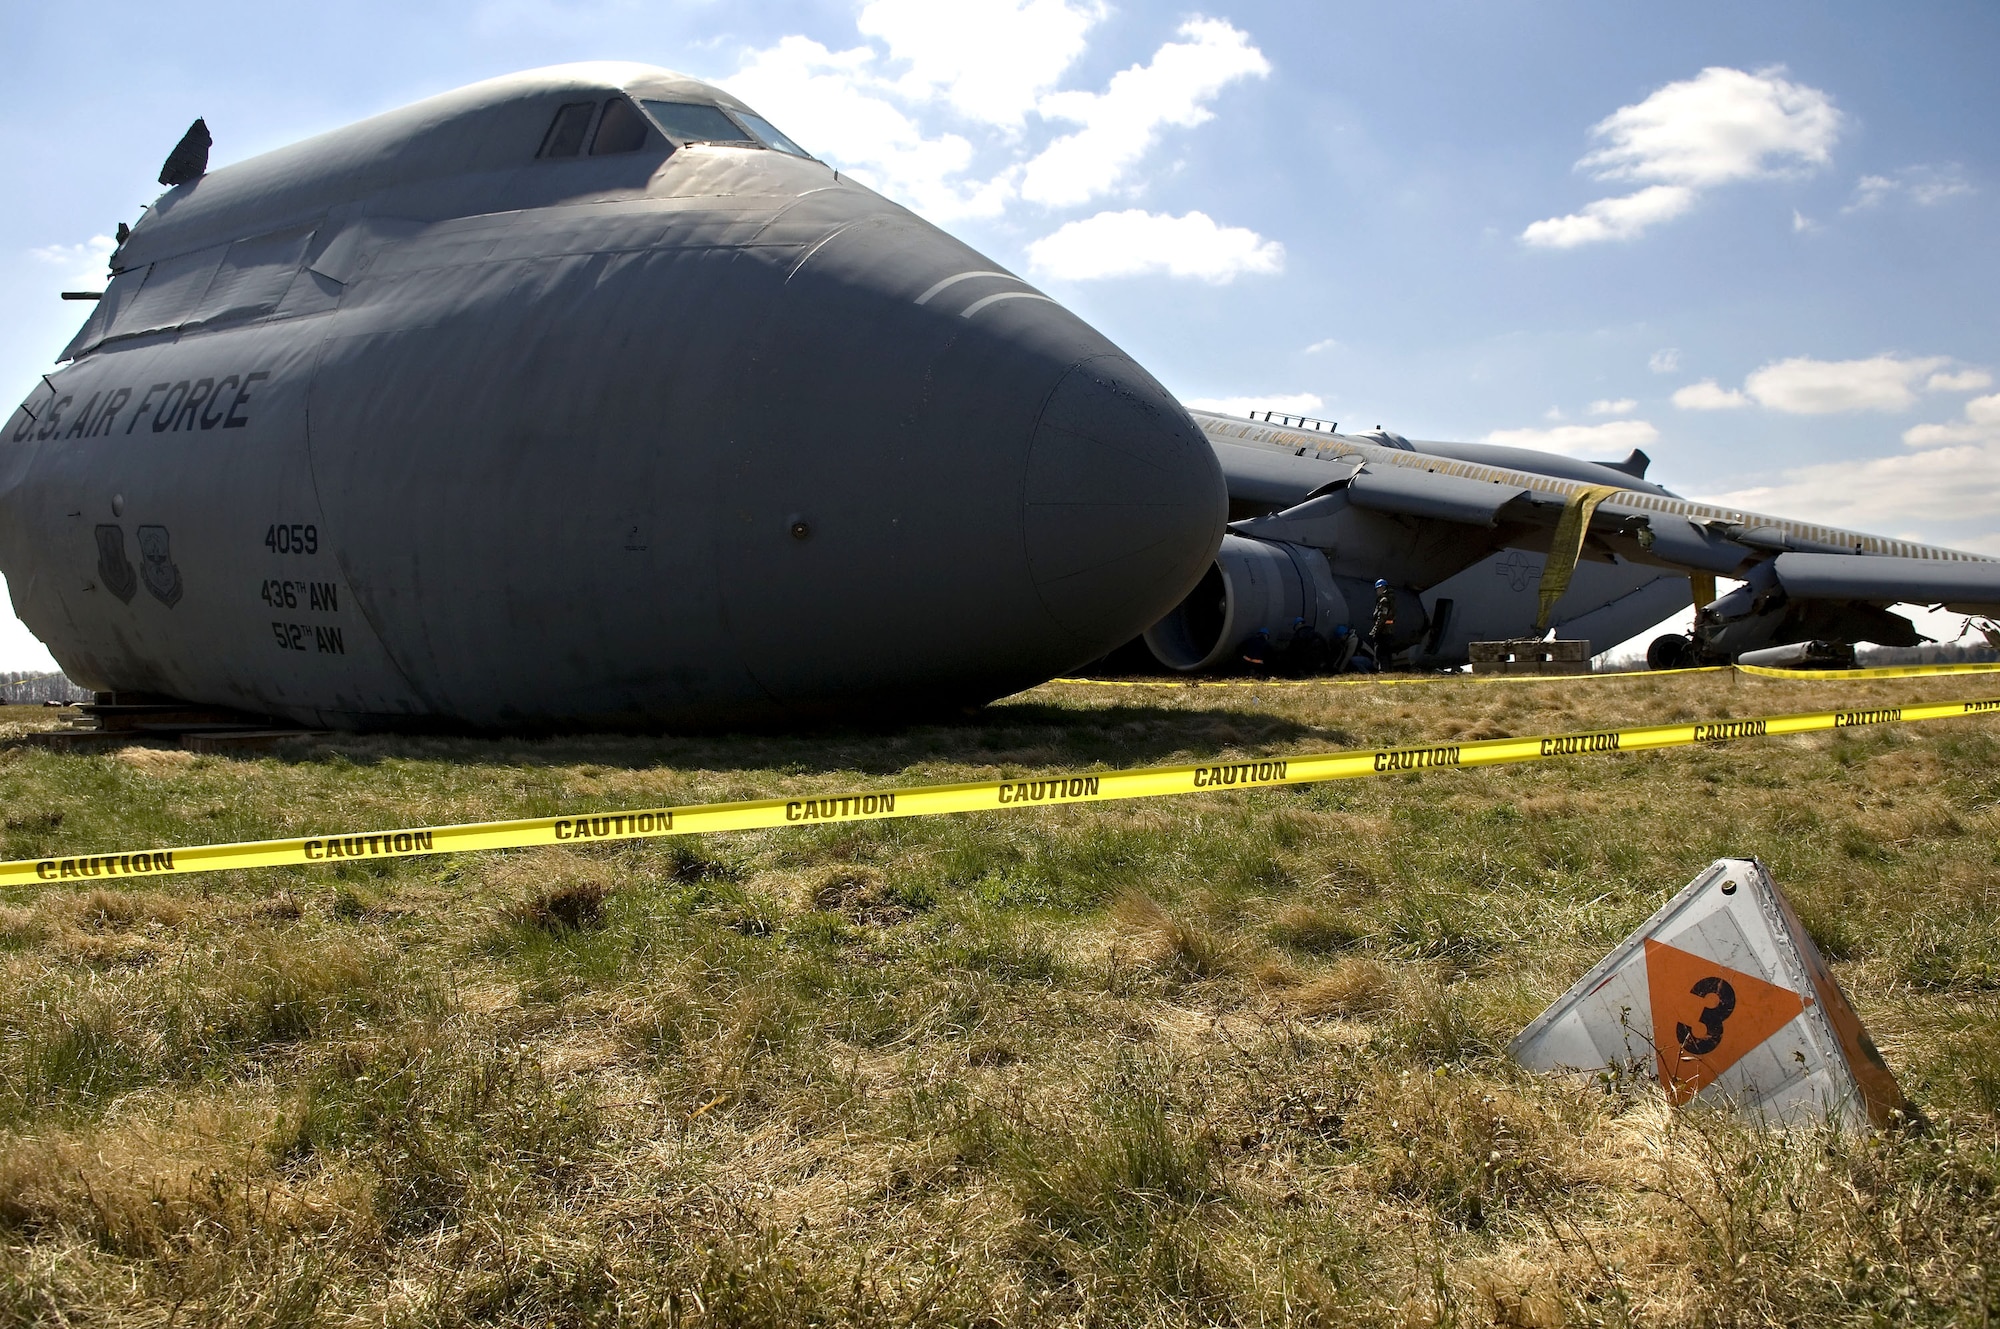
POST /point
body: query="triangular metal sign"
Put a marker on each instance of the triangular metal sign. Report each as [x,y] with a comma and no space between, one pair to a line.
[1722,995]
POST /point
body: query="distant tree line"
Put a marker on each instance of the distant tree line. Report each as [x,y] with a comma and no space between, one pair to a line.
[18,689]
[1937,652]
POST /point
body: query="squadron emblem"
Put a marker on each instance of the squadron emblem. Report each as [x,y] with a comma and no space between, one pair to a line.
[113,568]
[163,579]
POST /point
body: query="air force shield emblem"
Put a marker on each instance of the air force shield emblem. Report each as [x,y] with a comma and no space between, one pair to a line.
[113,568]
[163,579]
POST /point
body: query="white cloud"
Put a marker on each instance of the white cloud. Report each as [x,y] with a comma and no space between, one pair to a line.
[1965,380]
[932,106]
[1980,425]
[1870,190]
[1906,491]
[1925,186]
[838,95]
[1802,223]
[1708,395]
[1666,360]
[83,265]
[1619,218]
[1284,403]
[1805,386]
[1615,406]
[1721,126]
[991,60]
[1928,187]
[1121,124]
[1135,242]
[1327,344]
[1616,437]
[1554,413]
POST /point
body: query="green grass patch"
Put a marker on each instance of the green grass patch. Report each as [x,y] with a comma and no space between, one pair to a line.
[1235,1058]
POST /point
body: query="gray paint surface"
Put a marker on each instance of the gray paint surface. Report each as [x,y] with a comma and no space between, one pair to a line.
[696,434]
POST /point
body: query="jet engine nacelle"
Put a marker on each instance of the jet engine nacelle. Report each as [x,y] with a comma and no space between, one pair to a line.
[1262,585]
[1762,615]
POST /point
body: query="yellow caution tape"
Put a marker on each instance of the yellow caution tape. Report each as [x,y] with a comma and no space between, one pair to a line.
[1887,671]
[1397,680]
[1372,680]
[936,800]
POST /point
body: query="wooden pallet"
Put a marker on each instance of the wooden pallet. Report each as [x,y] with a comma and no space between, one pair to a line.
[116,721]
[1529,656]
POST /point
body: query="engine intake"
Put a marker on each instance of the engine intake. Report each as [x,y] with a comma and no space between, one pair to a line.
[1253,585]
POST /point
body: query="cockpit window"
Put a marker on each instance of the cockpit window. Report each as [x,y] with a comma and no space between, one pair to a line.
[767,131]
[566,131]
[694,122]
[622,129]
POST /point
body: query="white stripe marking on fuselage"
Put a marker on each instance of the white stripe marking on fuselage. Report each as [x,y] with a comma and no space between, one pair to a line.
[978,305]
[925,298]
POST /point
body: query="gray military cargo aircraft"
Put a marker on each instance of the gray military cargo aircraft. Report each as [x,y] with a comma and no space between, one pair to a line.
[586,397]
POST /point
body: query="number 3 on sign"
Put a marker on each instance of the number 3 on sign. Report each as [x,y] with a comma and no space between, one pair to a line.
[1711,1017]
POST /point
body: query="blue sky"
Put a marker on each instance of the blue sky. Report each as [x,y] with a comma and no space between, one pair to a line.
[1755,240]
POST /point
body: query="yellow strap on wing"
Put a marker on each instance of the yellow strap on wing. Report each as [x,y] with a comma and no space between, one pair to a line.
[1566,546]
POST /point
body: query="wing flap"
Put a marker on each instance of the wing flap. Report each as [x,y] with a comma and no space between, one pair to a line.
[1970,587]
[1408,492]
[1269,476]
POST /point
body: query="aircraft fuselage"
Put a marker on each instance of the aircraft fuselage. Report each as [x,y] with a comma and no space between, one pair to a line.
[695,434]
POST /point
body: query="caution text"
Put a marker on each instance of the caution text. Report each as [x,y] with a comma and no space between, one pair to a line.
[1882,715]
[1413,759]
[1041,791]
[1721,731]
[1571,744]
[105,865]
[614,825]
[369,846]
[1249,772]
[854,805]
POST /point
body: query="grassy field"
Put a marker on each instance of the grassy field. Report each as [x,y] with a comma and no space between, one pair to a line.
[1234,1058]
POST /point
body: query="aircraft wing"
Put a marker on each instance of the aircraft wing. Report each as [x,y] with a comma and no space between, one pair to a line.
[1641,524]
[1965,588]
[1267,479]
[1379,506]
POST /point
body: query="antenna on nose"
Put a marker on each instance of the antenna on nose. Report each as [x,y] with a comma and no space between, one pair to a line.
[189,159]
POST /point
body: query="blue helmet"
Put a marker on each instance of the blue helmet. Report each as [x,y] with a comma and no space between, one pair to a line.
[1381,583]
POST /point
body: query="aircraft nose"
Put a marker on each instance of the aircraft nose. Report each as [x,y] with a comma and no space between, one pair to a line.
[949,486]
[1123,503]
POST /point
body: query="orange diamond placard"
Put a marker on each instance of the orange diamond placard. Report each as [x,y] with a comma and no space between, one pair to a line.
[1707,1017]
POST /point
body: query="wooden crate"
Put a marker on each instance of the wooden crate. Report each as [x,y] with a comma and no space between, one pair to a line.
[1529,656]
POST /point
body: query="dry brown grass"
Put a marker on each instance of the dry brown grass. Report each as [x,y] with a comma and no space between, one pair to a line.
[1354,986]
[1234,1059]
[1161,941]
[154,761]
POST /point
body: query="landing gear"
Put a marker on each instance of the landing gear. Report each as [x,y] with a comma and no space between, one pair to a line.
[1670,652]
